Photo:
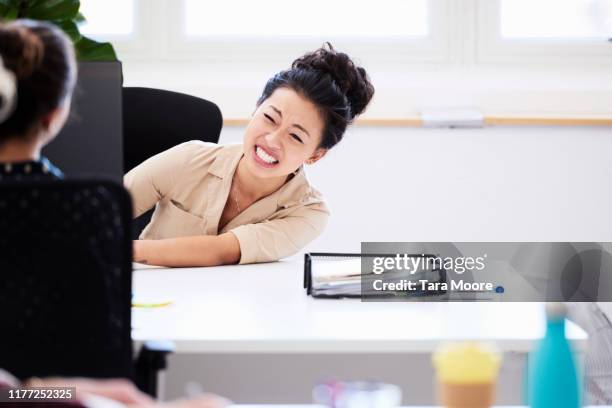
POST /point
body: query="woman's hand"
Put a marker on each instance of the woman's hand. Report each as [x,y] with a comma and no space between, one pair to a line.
[137,252]
[200,250]
[120,390]
[125,392]
[203,401]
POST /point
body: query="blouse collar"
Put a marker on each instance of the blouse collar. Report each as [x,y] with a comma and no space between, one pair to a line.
[42,167]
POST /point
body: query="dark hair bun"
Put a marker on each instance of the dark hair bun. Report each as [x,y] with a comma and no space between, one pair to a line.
[352,80]
[22,49]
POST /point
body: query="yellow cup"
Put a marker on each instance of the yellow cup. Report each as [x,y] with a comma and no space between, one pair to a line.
[466,374]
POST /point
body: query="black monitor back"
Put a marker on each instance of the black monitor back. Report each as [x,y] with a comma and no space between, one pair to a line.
[91,143]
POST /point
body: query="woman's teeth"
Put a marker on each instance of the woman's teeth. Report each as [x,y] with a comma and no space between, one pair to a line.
[265,156]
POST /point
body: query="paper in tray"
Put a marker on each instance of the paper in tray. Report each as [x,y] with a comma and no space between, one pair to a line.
[340,275]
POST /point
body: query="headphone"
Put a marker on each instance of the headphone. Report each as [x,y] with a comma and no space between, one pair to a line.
[8,90]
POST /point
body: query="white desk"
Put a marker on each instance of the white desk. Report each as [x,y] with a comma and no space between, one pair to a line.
[264,309]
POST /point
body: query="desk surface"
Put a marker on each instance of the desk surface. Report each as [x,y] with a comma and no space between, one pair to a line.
[264,309]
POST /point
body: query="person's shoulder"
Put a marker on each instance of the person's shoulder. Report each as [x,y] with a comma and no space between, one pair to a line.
[315,200]
[199,156]
[198,147]
[299,192]
[196,151]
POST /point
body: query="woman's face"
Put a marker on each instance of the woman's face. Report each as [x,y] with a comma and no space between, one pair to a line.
[284,133]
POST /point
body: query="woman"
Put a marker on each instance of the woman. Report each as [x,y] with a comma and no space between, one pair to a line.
[40,59]
[251,203]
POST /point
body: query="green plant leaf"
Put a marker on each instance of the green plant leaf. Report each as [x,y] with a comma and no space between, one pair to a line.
[65,14]
[69,28]
[54,10]
[8,3]
[11,14]
[90,50]
[9,9]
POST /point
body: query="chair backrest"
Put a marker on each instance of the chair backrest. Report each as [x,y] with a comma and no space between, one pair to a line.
[65,267]
[155,120]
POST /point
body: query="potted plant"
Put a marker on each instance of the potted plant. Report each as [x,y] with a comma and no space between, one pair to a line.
[65,14]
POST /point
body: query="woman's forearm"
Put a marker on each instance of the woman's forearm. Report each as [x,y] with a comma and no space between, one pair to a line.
[201,250]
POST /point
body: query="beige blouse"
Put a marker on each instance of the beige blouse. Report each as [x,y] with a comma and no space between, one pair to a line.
[189,185]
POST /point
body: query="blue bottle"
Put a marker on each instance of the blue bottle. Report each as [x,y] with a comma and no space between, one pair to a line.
[552,380]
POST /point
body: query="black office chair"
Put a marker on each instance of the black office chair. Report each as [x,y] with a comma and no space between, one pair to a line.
[155,120]
[66,272]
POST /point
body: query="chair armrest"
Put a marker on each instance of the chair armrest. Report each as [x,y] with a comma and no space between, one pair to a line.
[152,358]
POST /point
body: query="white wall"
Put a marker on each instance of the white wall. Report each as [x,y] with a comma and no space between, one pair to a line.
[400,91]
[490,184]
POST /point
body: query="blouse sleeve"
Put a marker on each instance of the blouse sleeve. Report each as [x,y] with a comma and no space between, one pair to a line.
[279,238]
[154,178]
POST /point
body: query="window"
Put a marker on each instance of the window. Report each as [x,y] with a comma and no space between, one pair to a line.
[556,19]
[108,18]
[316,18]
[271,30]
[559,31]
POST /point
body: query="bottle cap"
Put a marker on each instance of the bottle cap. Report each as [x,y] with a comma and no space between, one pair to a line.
[556,311]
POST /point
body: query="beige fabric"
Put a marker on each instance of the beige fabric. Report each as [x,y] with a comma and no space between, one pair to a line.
[189,186]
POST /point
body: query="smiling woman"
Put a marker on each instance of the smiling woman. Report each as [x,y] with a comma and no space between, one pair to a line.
[251,202]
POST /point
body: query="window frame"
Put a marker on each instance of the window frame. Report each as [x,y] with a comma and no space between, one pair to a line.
[140,43]
[492,48]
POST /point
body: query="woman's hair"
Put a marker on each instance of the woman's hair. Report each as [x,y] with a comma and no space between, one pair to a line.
[328,78]
[41,57]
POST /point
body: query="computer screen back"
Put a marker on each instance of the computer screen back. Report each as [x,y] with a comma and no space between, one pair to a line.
[91,143]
